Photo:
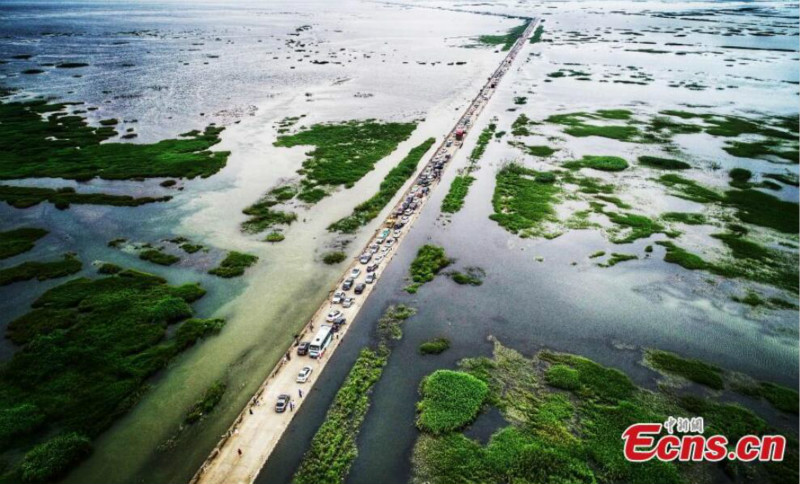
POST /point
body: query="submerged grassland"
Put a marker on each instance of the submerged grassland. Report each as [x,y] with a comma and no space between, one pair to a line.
[18,241]
[746,218]
[565,415]
[86,350]
[342,152]
[43,139]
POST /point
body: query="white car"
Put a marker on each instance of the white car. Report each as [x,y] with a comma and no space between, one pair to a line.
[386,250]
[349,301]
[333,315]
[397,233]
[389,242]
[355,272]
[404,218]
[377,258]
[338,297]
[370,278]
[304,374]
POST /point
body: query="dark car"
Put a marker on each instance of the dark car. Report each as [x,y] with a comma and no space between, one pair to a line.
[360,287]
[282,403]
[302,348]
[348,283]
[372,268]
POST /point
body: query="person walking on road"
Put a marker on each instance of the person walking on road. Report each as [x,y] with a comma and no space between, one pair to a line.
[300,392]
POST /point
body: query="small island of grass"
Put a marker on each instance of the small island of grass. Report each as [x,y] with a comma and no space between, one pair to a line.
[18,241]
[429,261]
[234,265]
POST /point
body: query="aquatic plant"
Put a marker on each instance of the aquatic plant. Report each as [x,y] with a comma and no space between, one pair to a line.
[41,271]
[211,397]
[39,139]
[434,346]
[429,261]
[459,188]
[523,201]
[508,39]
[343,152]
[158,257]
[234,264]
[25,197]
[101,339]
[450,401]
[18,241]
[331,258]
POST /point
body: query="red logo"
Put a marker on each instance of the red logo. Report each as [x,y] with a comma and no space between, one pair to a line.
[643,442]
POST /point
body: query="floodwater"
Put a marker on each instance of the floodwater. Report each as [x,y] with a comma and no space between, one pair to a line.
[168,67]
[174,66]
[533,296]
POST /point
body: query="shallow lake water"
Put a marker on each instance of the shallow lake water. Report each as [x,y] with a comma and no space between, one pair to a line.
[173,67]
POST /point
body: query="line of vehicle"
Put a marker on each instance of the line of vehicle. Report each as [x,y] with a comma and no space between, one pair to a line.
[246,446]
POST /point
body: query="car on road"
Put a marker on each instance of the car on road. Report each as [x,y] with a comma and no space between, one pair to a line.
[304,374]
[302,348]
[397,233]
[370,278]
[282,403]
[347,284]
[372,268]
[365,257]
[338,297]
[360,288]
[335,314]
[355,272]
[348,302]
[389,242]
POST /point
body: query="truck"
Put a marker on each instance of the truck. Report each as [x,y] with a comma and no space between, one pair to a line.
[459,134]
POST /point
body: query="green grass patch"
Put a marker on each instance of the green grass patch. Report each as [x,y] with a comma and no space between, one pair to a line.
[343,152]
[542,151]
[331,258]
[204,406]
[18,241]
[472,276]
[616,258]
[429,261]
[51,460]
[663,163]
[537,35]
[450,401]
[234,265]
[262,216]
[684,218]
[520,125]
[274,237]
[39,139]
[25,197]
[459,188]
[434,346]
[507,40]
[691,369]
[523,200]
[391,184]
[158,257]
[602,163]
[41,271]
[637,227]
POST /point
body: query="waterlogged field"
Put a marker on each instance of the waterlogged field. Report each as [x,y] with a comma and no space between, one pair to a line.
[617,240]
[192,146]
[618,243]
